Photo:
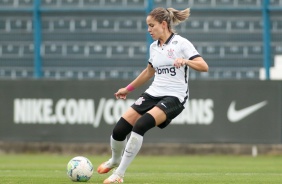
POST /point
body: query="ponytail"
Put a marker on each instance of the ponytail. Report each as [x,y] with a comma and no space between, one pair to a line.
[177,16]
[172,16]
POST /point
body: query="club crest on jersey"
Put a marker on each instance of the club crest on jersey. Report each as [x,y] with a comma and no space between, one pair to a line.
[170,53]
[139,101]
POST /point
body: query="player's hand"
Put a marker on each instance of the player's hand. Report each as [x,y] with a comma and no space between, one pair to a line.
[121,93]
[179,62]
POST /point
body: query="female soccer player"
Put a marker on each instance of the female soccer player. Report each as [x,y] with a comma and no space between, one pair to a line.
[171,56]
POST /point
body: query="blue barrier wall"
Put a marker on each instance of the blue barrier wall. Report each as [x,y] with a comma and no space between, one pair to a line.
[86,111]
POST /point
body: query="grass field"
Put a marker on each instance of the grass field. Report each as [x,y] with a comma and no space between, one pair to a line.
[51,169]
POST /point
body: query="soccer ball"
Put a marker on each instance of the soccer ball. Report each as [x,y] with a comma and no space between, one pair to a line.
[79,169]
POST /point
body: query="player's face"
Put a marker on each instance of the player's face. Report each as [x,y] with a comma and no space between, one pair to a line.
[155,28]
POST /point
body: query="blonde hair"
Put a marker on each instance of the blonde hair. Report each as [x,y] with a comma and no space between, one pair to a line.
[172,16]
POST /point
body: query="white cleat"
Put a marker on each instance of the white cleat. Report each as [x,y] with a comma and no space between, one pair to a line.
[114,178]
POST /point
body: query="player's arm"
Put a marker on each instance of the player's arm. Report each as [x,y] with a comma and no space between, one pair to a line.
[142,78]
[198,64]
[192,58]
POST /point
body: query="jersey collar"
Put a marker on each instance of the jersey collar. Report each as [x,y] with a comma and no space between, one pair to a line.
[168,40]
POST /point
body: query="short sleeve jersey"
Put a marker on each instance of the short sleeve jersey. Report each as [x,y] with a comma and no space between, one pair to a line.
[168,80]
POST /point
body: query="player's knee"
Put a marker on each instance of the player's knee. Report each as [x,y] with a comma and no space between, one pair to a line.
[121,130]
[144,123]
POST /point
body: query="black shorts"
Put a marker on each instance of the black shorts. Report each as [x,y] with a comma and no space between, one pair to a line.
[171,106]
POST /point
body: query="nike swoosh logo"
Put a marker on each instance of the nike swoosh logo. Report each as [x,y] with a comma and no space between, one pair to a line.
[163,105]
[234,115]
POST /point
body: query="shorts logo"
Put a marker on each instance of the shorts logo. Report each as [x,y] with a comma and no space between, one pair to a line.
[163,105]
[139,101]
[170,53]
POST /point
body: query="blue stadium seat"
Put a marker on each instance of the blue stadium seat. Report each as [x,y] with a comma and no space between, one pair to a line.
[202,3]
[128,24]
[52,49]
[227,3]
[76,50]
[277,25]
[18,24]
[28,50]
[140,51]
[217,25]
[161,3]
[249,3]
[49,3]
[6,3]
[136,3]
[234,50]
[106,24]
[114,3]
[95,3]
[277,49]
[11,50]
[275,3]
[257,24]
[61,24]
[98,50]
[2,24]
[25,3]
[120,51]
[16,50]
[255,50]
[212,51]
[195,24]
[83,24]
[73,3]
[240,25]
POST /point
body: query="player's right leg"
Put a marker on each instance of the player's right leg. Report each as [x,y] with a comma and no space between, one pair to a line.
[118,140]
[145,123]
[117,150]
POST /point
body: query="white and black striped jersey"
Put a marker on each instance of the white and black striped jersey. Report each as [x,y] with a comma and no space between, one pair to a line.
[170,81]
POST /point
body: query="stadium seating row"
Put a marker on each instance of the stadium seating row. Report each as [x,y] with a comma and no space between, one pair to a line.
[84,24]
[127,50]
[102,74]
[135,3]
[106,50]
[109,56]
[214,3]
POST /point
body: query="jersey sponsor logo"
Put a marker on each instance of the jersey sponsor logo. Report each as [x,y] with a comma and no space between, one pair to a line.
[234,115]
[170,71]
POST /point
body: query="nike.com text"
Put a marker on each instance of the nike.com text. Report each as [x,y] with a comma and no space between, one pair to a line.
[86,111]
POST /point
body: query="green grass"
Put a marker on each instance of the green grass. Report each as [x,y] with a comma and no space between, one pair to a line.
[51,169]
